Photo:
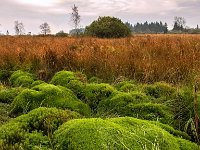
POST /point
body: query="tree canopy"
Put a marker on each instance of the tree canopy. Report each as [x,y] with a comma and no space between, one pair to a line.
[108,27]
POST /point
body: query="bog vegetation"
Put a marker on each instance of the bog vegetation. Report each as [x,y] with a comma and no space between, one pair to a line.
[89,93]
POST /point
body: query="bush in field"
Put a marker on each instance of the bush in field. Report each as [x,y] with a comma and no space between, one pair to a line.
[21,78]
[48,95]
[95,93]
[34,129]
[7,95]
[71,80]
[108,27]
[116,133]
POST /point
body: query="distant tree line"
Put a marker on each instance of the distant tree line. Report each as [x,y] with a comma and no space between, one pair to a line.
[152,27]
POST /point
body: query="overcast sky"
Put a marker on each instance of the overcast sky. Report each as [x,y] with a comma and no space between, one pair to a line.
[57,12]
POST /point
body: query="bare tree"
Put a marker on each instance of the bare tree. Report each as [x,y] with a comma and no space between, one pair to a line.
[179,23]
[19,28]
[75,17]
[45,28]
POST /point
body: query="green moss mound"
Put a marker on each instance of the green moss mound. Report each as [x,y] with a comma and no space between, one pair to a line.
[34,129]
[95,80]
[71,80]
[95,93]
[171,130]
[135,104]
[126,86]
[149,111]
[48,95]
[117,133]
[37,82]
[159,89]
[118,102]
[7,95]
[21,78]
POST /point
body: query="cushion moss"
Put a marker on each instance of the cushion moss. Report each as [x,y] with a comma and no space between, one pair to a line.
[48,95]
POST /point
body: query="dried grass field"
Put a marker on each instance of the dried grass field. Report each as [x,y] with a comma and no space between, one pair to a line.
[145,58]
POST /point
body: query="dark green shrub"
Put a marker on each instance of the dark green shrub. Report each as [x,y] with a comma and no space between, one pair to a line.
[48,95]
[7,95]
[94,93]
[116,133]
[71,80]
[35,128]
[107,27]
[21,78]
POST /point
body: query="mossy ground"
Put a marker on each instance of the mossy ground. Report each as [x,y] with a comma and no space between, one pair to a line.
[69,91]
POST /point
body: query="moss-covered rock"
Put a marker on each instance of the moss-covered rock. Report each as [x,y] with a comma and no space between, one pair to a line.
[7,95]
[34,129]
[71,80]
[116,133]
[95,93]
[21,78]
[48,95]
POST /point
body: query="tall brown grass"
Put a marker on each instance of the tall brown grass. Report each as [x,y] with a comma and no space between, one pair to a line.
[146,58]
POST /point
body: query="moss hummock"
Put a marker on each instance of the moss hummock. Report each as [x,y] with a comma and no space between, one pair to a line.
[48,95]
[116,133]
